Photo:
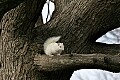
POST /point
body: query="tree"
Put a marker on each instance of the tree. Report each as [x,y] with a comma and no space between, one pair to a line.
[80,22]
[17,25]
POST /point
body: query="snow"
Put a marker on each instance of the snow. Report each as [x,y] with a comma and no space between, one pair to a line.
[111,37]
[94,74]
[45,10]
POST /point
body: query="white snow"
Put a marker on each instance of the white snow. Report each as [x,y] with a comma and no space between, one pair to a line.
[45,10]
[94,74]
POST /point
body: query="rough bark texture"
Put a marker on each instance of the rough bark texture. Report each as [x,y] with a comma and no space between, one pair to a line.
[109,62]
[17,55]
[79,22]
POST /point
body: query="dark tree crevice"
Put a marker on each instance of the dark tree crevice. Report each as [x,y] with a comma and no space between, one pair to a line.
[6,5]
[105,48]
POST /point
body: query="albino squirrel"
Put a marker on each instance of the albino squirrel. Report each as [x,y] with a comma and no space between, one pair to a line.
[51,47]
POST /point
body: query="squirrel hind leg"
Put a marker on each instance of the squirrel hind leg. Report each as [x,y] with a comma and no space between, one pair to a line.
[49,53]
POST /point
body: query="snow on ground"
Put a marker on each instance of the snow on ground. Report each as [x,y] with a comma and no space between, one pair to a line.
[94,74]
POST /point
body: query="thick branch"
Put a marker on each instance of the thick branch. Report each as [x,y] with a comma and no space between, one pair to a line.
[81,22]
[101,61]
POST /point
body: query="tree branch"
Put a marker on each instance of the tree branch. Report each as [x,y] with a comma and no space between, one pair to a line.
[77,61]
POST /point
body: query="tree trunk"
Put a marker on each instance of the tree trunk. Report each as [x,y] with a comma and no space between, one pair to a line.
[17,55]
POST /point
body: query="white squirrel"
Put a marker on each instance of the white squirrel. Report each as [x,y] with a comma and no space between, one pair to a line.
[51,47]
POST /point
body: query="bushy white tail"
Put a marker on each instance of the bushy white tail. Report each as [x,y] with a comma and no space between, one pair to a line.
[51,40]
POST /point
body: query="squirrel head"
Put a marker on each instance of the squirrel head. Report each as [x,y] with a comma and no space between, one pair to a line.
[61,46]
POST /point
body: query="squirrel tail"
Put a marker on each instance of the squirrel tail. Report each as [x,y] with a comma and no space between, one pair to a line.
[51,40]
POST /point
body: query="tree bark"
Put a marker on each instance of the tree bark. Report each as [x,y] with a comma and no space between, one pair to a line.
[74,60]
[17,53]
